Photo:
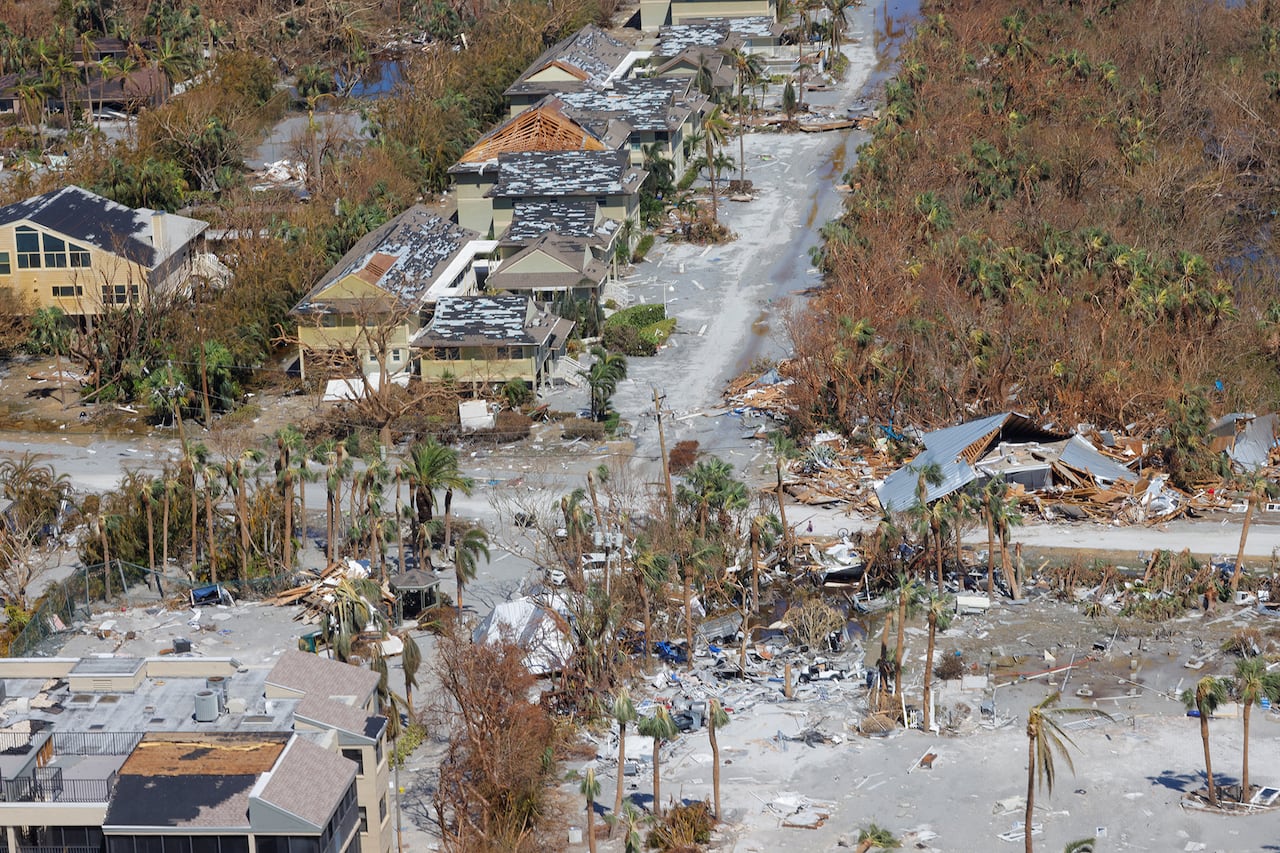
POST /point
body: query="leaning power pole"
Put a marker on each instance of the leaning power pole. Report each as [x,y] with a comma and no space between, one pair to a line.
[662,447]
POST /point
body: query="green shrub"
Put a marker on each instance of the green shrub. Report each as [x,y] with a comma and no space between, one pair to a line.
[638,330]
[411,737]
[628,340]
[637,316]
[642,249]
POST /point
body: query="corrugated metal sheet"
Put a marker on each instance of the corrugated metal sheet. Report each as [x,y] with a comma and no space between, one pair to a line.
[1080,454]
[945,447]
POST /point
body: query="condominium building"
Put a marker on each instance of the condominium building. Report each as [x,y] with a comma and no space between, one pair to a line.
[188,754]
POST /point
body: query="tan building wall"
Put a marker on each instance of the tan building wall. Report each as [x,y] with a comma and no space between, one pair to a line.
[77,287]
[683,10]
[475,368]
[653,14]
[474,210]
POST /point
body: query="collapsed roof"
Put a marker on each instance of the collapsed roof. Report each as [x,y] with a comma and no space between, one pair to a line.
[1008,445]
[1247,439]
[542,633]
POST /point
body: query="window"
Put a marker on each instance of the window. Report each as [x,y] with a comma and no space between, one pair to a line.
[67,291]
[382,808]
[357,756]
[55,252]
[79,255]
[364,819]
[119,294]
[4,263]
[28,242]
[395,356]
[377,750]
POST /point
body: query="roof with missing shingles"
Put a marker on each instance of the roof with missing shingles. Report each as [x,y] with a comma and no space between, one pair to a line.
[401,257]
[536,174]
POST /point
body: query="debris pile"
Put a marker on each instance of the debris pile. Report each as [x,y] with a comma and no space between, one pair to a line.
[317,596]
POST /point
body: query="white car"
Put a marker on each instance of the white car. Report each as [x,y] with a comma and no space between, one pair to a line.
[556,577]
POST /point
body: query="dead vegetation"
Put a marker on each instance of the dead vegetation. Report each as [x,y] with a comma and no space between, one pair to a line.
[1032,226]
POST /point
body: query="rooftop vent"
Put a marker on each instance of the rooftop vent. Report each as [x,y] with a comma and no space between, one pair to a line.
[206,706]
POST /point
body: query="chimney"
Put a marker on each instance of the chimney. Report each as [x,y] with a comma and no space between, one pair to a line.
[157,230]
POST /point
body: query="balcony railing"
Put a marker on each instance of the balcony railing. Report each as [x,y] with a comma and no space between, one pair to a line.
[95,743]
[50,787]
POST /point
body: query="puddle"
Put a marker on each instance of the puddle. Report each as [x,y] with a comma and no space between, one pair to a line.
[761,325]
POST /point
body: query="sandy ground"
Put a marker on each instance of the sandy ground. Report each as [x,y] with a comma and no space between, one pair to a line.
[1129,772]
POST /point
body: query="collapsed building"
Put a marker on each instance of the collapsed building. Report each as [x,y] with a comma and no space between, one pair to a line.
[1007,445]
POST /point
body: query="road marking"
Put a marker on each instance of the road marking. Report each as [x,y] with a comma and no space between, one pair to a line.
[695,284]
[704,251]
[703,329]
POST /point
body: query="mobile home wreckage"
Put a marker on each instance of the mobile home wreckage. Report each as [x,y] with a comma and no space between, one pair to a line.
[1030,458]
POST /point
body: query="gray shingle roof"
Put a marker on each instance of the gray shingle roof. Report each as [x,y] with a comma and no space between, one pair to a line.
[590,51]
[311,674]
[415,246]
[487,321]
[570,217]
[308,782]
[676,37]
[565,173]
[90,219]
[339,715]
[645,103]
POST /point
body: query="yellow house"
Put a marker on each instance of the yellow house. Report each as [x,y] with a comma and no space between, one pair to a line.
[682,11]
[490,340]
[364,311]
[590,58]
[550,268]
[546,127]
[607,177]
[75,250]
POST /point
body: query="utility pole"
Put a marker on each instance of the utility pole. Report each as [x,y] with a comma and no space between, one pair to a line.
[662,447]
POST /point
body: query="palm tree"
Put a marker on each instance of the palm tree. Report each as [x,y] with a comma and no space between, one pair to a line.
[748,70]
[938,610]
[653,571]
[1045,737]
[716,719]
[434,466]
[466,557]
[906,594]
[930,519]
[411,662]
[590,789]
[1207,695]
[1252,683]
[624,712]
[661,728]
[354,608]
[603,377]
[715,131]
[1004,515]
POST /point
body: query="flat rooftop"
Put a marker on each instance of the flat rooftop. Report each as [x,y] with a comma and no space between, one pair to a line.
[164,704]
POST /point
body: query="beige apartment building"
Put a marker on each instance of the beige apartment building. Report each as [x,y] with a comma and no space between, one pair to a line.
[183,754]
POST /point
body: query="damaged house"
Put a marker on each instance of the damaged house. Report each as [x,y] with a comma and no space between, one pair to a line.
[491,340]
[1008,445]
[1247,439]
[372,302]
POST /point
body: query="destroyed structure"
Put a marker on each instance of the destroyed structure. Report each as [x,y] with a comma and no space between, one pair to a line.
[1009,445]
